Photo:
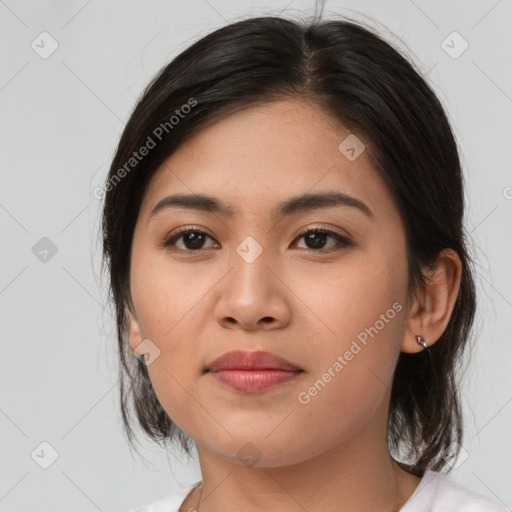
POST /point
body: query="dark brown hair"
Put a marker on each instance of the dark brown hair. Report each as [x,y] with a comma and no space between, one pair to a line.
[369,87]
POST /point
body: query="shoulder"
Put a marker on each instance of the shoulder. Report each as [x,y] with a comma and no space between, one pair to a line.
[438,493]
[452,496]
[170,504]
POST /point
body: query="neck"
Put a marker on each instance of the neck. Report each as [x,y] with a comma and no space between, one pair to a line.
[357,476]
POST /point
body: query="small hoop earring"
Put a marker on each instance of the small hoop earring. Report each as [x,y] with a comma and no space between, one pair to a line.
[421,341]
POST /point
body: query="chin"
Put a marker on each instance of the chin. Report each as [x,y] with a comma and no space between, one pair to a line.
[261,450]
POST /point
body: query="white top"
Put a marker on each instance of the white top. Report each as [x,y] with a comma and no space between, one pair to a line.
[435,493]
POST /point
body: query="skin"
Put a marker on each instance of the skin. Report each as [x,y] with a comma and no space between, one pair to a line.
[328,454]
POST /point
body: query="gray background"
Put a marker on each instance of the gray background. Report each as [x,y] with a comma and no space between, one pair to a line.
[61,119]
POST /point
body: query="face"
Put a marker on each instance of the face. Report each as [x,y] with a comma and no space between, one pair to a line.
[322,285]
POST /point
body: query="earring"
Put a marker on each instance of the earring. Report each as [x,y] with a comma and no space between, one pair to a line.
[421,341]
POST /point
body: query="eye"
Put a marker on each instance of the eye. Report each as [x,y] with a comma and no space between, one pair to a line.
[316,238]
[193,239]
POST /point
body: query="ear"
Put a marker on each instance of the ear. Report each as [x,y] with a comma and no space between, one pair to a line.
[430,311]
[133,329]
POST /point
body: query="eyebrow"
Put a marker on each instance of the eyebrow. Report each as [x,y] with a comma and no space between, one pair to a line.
[297,204]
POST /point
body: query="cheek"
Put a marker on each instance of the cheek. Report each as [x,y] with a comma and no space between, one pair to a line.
[166,295]
[361,308]
[356,296]
[352,370]
[168,304]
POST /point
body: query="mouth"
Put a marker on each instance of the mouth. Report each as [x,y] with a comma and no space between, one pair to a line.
[252,371]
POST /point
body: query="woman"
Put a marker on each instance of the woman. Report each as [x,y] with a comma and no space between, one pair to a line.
[283,231]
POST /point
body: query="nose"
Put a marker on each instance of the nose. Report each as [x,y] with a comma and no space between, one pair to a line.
[253,296]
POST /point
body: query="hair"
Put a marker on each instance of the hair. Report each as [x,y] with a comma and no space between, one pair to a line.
[365,85]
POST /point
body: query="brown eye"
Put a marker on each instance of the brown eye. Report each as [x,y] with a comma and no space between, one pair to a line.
[316,238]
[192,239]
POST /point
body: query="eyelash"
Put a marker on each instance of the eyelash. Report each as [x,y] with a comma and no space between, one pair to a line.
[169,241]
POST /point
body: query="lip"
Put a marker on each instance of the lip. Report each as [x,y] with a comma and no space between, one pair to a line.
[252,371]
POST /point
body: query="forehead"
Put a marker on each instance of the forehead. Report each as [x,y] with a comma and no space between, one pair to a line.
[264,154]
